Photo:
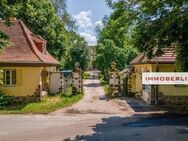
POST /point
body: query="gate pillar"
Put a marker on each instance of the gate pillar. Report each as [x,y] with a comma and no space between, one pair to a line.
[77,80]
[114,81]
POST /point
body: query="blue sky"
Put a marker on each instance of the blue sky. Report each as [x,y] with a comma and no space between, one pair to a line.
[88,14]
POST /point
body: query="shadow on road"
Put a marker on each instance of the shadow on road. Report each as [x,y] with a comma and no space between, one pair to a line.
[94,85]
[138,105]
[139,128]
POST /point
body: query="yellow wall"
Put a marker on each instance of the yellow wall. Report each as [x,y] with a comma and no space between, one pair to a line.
[171,89]
[138,72]
[27,81]
[165,89]
[132,83]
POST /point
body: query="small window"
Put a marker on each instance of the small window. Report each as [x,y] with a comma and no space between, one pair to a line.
[9,77]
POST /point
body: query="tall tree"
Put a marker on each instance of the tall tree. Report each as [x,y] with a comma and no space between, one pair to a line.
[61,10]
[147,24]
[163,24]
[114,40]
[43,19]
[77,52]
[60,6]
[5,13]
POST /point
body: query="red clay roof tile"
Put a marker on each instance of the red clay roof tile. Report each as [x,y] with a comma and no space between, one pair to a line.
[168,57]
[22,48]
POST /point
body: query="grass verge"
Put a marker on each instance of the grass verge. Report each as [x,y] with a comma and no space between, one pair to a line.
[86,75]
[47,105]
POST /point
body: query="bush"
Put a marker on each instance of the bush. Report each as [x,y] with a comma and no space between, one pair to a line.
[185,107]
[4,100]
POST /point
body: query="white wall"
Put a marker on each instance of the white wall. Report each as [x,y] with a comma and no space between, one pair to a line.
[56,83]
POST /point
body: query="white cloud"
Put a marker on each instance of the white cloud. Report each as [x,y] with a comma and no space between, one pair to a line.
[99,24]
[91,39]
[84,19]
[86,27]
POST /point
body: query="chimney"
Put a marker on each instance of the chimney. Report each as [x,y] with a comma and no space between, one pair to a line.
[12,18]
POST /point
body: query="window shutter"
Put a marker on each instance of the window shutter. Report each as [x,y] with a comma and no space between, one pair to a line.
[19,77]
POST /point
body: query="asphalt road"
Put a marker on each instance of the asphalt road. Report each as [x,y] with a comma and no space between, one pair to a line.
[93,128]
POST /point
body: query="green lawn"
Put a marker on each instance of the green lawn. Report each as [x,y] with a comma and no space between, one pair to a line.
[86,75]
[48,104]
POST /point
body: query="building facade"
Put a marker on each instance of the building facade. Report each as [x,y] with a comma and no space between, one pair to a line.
[154,94]
[25,63]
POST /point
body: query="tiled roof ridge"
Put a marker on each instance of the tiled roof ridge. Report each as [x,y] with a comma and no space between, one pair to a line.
[32,44]
[38,37]
[168,56]
[25,49]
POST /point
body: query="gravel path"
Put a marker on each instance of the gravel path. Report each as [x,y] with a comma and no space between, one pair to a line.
[94,100]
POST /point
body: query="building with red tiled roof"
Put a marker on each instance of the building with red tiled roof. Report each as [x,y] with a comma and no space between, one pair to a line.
[25,63]
[25,48]
[158,94]
[167,57]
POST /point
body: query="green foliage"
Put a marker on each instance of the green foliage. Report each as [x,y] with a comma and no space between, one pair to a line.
[108,52]
[77,52]
[61,10]
[115,39]
[148,24]
[59,6]
[45,19]
[5,12]
[159,24]
[86,75]
[48,104]
[40,16]
[105,85]
[4,100]
[3,40]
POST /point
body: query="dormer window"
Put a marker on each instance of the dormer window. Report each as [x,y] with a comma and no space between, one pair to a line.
[40,44]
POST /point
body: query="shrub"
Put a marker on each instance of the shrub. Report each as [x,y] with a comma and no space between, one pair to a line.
[4,100]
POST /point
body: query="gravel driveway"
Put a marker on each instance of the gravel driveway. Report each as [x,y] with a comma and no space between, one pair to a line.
[94,100]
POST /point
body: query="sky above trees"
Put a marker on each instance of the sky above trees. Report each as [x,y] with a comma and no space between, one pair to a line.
[88,14]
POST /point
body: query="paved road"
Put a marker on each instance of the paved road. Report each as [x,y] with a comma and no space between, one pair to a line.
[94,119]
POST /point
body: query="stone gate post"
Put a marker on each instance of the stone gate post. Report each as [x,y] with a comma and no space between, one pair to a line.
[77,80]
[114,81]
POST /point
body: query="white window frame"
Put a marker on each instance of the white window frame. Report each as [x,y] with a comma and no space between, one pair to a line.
[11,77]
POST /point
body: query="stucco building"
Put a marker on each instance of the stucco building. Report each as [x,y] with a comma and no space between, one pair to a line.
[25,64]
[154,94]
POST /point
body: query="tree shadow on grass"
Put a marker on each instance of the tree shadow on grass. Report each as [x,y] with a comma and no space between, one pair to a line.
[138,128]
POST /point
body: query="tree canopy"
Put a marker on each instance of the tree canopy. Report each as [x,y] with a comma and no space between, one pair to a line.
[143,25]
[49,19]
[114,39]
